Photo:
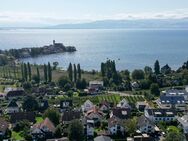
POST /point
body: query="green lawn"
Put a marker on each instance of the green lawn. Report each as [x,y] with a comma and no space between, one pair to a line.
[16,136]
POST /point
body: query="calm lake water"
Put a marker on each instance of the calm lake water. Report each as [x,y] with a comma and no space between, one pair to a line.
[130,49]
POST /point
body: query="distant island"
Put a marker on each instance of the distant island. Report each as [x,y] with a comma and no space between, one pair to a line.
[37,51]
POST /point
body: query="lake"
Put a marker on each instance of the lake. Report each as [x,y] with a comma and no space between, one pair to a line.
[130,48]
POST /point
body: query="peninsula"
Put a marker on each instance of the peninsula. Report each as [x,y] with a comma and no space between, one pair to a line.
[37,51]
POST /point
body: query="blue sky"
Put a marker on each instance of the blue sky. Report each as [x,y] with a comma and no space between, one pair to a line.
[49,12]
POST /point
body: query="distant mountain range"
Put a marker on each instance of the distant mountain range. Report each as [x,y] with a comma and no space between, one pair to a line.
[114,24]
[117,24]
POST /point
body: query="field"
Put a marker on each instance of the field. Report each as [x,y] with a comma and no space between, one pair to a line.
[96,99]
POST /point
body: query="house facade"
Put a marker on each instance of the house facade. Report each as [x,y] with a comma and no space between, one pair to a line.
[157,115]
[43,130]
[65,105]
[123,104]
[183,121]
[88,105]
[144,125]
[12,107]
[115,126]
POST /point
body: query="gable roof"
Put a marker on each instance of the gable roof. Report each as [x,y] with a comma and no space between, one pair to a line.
[12,104]
[172,99]
[71,115]
[114,121]
[94,110]
[123,103]
[88,101]
[161,112]
[14,93]
[122,113]
[142,121]
[45,123]
[15,117]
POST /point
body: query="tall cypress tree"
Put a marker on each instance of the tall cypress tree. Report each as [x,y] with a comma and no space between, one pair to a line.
[14,69]
[75,73]
[38,73]
[157,67]
[103,69]
[25,72]
[29,70]
[70,71]
[45,73]
[79,71]
[22,72]
[49,72]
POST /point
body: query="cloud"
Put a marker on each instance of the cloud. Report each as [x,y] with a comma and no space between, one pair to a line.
[21,18]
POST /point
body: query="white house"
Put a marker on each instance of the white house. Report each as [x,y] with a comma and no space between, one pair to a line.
[96,84]
[12,107]
[144,125]
[90,127]
[88,105]
[183,123]
[115,126]
[157,115]
[123,104]
[140,105]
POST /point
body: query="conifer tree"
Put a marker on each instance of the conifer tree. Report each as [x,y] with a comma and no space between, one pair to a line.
[49,72]
[70,72]
[38,73]
[79,71]
[25,72]
[45,73]
[29,70]
[75,73]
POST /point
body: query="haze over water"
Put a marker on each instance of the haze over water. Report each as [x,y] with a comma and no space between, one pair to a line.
[131,49]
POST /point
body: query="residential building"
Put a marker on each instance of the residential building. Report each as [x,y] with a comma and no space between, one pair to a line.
[70,115]
[12,107]
[173,98]
[184,123]
[157,115]
[140,105]
[15,93]
[20,116]
[43,130]
[43,105]
[145,125]
[104,106]
[121,113]
[65,105]
[89,127]
[123,104]
[95,87]
[94,114]
[115,126]
[88,105]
